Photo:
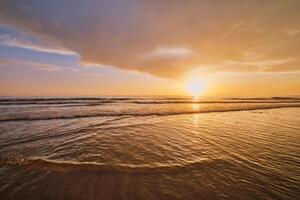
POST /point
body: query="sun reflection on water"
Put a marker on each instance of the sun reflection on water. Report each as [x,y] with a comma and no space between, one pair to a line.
[195,106]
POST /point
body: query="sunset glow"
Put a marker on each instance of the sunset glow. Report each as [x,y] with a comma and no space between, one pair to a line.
[195,87]
[241,47]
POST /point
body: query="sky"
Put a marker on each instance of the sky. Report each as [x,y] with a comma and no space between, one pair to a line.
[149,47]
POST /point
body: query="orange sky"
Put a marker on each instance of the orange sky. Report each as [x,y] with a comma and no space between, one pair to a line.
[153,47]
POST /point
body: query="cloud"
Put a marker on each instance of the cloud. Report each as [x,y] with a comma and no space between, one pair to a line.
[246,66]
[87,64]
[177,53]
[234,28]
[264,65]
[95,75]
[8,40]
[162,38]
[290,32]
[260,62]
[34,65]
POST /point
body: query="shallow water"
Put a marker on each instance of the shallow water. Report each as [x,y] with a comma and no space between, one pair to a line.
[150,148]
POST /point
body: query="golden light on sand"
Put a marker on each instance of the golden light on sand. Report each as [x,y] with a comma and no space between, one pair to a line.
[195,87]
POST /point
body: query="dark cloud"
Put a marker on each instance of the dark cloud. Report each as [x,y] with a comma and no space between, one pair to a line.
[166,38]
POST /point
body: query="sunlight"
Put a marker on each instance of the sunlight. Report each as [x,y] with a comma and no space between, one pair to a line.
[195,87]
[195,107]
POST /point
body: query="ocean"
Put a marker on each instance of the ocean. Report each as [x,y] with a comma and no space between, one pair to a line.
[149,148]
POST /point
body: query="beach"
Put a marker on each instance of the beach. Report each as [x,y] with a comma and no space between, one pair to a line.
[149,148]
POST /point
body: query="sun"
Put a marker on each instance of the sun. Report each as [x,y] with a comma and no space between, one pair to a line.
[195,87]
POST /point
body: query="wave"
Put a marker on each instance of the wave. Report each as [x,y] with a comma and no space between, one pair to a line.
[137,114]
[162,102]
[53,100]
[72,103]
[264,98]
[147,102]
[94,101]
[4,99]
[120,98]
[54,165]
[211,102]
[79,99]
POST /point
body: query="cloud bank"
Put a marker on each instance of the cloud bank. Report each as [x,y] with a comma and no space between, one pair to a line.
[166,38]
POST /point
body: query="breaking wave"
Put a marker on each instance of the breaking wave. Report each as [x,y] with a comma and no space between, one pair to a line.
[144,113]
[46,164]
[94,101]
